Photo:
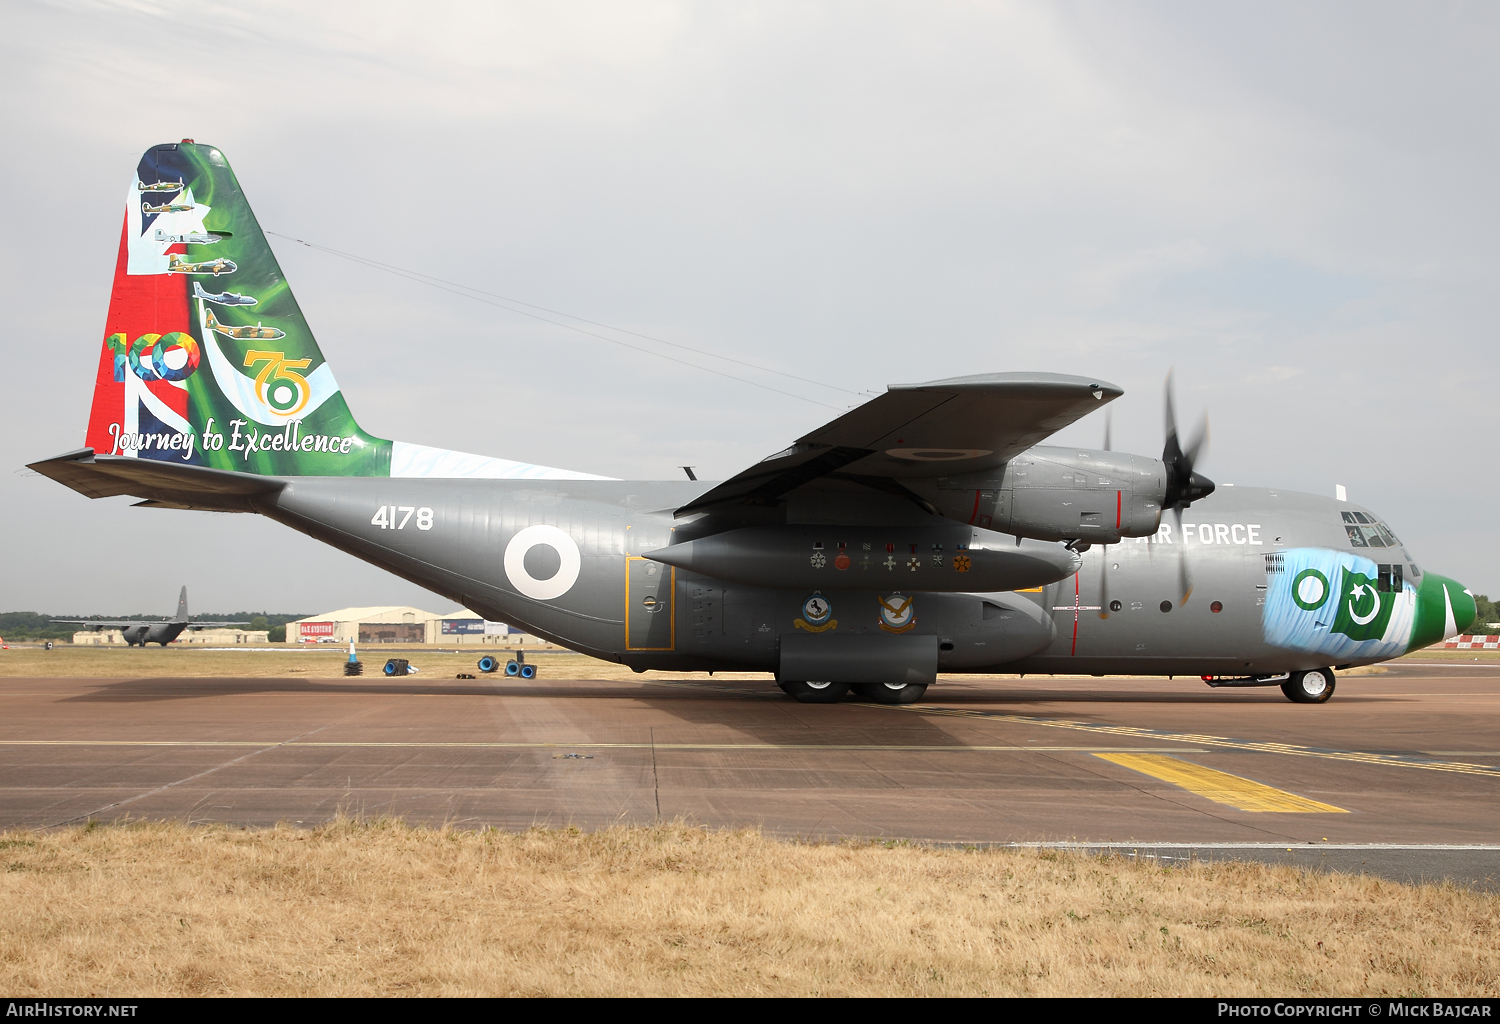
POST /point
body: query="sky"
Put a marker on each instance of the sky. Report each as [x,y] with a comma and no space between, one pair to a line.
[1292,206]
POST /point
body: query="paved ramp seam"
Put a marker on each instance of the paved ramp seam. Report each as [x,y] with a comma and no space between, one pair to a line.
[1220,787]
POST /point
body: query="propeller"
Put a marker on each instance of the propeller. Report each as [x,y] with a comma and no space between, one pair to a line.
[1104,582]
[1183,485]
[1109,422]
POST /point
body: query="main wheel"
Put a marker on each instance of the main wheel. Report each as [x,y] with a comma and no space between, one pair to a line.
[528,671]
[891,693]
[816,692]
[512,669]
[1314,686]
[489,663]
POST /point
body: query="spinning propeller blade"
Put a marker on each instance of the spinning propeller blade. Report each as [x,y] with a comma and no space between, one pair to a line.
[1184,486]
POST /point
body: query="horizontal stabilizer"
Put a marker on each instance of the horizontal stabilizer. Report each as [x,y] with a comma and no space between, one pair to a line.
[162,484]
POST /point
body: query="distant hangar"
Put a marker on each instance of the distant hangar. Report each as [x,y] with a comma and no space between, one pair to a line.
[403,624]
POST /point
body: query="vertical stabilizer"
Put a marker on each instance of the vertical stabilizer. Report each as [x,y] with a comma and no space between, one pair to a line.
[206,357]
[182,614]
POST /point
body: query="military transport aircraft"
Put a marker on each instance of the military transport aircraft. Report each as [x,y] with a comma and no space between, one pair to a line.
[256,333]
[177,265]
[223,298]
[928,530]
[138,633]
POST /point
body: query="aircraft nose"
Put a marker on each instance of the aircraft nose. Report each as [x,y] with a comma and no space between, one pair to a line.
[1445,607]
[1465,610]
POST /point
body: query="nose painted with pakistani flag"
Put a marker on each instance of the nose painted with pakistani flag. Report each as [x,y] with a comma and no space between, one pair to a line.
[1345,606]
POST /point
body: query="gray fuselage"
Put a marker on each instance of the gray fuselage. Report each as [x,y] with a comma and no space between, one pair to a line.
[452,536]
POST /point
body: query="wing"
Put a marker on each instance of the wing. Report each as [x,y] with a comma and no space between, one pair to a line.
[941,428]
[104,623]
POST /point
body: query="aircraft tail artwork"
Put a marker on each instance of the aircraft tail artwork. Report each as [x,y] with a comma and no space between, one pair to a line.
[173,384]
[207,360]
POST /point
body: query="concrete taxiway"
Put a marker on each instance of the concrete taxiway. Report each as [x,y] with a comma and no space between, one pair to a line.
[1399,773]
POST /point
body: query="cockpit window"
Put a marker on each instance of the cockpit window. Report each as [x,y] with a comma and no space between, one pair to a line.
[1369,537]
[1365,531]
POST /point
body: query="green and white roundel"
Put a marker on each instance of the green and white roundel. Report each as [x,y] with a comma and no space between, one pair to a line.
[1310,590]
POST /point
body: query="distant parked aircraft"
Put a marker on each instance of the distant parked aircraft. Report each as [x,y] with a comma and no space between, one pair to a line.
[137,633]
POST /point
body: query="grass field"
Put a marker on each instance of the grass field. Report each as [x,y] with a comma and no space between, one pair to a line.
[377,908]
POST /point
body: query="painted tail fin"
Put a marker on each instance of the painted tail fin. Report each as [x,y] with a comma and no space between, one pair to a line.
[182,614]
[203,389]
[206,359]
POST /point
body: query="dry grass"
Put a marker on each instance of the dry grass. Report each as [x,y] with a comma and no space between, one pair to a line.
[377,908]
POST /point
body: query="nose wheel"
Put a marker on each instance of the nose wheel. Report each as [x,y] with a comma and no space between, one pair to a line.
[1314,686]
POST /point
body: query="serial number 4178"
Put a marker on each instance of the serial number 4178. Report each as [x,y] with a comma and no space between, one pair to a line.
[395,517]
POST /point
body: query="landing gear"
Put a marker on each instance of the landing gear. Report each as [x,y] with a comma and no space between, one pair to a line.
[815,692]
[891,693]
[1314,686]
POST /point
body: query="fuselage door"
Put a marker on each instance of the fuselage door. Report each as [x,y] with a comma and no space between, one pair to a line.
[650,621]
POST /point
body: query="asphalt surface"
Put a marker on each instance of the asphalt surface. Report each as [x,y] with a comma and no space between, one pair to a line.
[1408,763]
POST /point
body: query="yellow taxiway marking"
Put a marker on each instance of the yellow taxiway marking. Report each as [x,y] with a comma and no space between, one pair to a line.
[1220,787]
[1204,740]
[934,748]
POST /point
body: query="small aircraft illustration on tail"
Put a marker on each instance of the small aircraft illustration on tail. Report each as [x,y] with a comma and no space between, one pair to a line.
[160,186]
[256,333]
[167,208]
[177,265]
[929,530]
[138,634]
[191,238]
[223,298]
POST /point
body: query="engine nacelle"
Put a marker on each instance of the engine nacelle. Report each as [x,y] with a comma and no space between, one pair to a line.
[1049,493]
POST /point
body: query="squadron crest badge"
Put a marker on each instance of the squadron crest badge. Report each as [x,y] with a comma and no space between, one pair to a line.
[817,615]
[897,614]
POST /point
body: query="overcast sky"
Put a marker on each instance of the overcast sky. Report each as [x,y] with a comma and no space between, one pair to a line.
[1294,205]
